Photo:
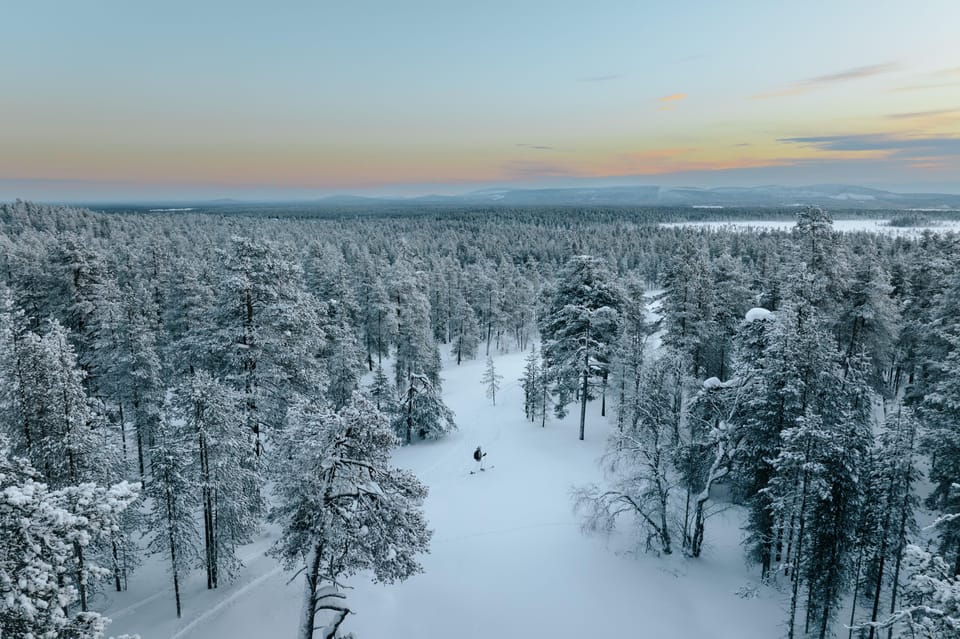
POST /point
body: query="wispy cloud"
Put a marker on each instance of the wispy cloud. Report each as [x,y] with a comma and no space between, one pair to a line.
[600,78]
[936,80]
[830,79]
[891,146]
[923,114]
[855,73]
[536,147]
[922,87]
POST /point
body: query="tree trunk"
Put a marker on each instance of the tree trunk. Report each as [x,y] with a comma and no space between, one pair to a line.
[583,392]
[81,577]
[123,435]
[410,412]
[796,564]
[379,337]
[856,591]
[699,526]
[309,612]
[140,447]
[603,396]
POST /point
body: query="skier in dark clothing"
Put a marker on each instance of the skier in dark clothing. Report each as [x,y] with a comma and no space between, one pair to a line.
[478,456]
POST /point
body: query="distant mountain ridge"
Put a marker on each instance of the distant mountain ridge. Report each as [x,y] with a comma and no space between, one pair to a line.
[827,195]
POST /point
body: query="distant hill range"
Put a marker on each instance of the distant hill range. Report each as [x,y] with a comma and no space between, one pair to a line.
[830,196]
[826,195]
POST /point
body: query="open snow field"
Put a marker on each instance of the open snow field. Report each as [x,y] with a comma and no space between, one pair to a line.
[507,559]
[876,226]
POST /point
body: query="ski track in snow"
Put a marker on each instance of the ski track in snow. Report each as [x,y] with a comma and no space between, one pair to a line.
[217,609]
[168,591]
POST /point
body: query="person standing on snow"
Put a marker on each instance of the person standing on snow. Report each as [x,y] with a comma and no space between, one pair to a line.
[478,456]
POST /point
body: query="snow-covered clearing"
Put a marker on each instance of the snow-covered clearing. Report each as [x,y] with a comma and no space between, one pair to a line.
[844,226]
[508,558]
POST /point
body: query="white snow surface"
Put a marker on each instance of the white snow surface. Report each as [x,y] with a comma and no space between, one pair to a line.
[757,313]
[844,226]
[508,558]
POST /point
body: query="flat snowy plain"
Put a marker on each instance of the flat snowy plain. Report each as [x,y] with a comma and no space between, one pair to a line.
[508,558]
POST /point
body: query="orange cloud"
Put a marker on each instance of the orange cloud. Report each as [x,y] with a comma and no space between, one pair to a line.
[673,97]
[669,102]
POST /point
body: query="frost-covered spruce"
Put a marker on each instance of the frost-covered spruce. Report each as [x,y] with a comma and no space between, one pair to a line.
[529,382]
[342,508]
[380,389]
[491,380]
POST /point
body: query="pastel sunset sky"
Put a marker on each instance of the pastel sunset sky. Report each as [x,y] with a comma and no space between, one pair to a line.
[118,99]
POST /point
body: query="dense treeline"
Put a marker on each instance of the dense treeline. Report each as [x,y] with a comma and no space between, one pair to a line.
[206,355]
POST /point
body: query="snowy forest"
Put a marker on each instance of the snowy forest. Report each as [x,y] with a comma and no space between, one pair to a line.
[173,384]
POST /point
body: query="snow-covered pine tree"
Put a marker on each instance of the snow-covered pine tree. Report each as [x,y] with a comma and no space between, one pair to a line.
[631,349]
[869,321]
[341,354]
[465,336]
[529,382]
[416,348]
[731,300]
[542,396]
[894,475]
[226,468]
[940,412]
[381,390]
[491,380]
[688,307]
[930,606]
[846,412]
[268,333]
[76,273]
[374,305]
[128,364]
[579,328]
[42,532]
[56,417]
[816,492]
[175,500]
[342,508]
[419,410]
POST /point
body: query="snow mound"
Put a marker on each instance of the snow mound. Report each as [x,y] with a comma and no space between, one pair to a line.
[712,382]
[755,314]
